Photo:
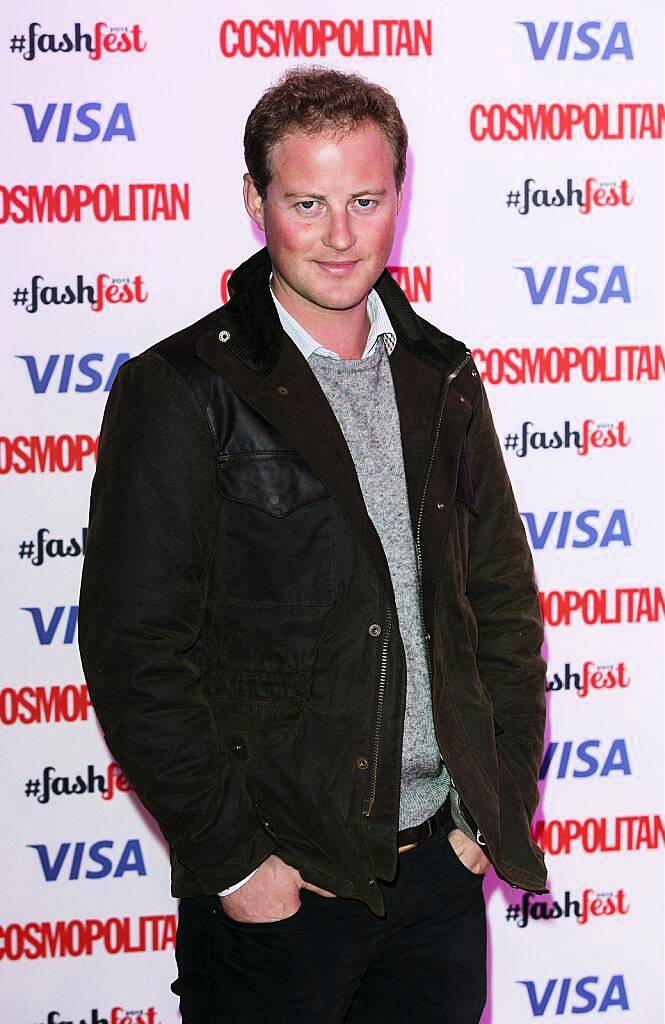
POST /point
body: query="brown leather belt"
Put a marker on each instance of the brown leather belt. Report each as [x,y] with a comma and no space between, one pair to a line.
[407,838]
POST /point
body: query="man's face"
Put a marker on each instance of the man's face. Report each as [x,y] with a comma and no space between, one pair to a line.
[329,214]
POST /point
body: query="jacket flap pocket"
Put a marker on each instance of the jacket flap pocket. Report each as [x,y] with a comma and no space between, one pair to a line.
[464,490]
[274,483]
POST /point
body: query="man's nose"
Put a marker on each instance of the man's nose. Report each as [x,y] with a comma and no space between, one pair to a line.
[339,232]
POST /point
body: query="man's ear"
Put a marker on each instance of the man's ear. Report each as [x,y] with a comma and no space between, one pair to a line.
[253,201]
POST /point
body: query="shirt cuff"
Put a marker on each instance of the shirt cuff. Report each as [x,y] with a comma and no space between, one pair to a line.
[232,888]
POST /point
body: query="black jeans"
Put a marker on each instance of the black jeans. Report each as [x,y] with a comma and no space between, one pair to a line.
[336,961]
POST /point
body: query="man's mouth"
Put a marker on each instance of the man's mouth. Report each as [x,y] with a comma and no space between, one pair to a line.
[338,269]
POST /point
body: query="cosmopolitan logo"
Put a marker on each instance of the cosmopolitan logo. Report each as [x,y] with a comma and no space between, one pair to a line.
[93,371]
[577,286]
[35,705]
[62,623]
[102,859]
[62,122]
[415,282]
[588,40]
[382,37]
[66,204]
[101,40]
[600,835]
[556,365]
[55,453]
[589,437]
[43,547]
[603,607]
[105,291]
[49,785]
[586,907]
[45,940]
[591,195]
[588,994]
[586,529]
[592,677]
[554,122]
[580,760]
[116,1015]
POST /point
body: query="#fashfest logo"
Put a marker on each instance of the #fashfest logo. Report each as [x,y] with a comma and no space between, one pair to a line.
[584,759]
[415,282]
[54,453]
[594,194]
[45,940]
[116,1015]
[101,40]
[66,373]
[602,607]
[44,547]
[380,37]
[625,834]
[591,436]
[584,363]
[106,291]
[588,528]
[591,678]
[89,123]
[105,858]
[38,705]
[70,204]
[588,906]
[47,786]
[588,994]
[577,286]
[560,122]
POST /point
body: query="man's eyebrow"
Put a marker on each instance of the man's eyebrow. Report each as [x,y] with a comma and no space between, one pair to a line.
[354,195]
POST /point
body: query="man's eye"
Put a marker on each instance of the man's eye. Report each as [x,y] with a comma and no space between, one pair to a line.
[368,201]
[307,204]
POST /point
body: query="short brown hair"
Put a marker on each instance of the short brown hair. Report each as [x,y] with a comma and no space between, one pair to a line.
[313,99]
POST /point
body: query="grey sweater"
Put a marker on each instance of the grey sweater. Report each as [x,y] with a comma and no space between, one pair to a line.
[362,396]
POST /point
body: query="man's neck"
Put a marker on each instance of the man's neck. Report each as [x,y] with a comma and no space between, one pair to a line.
[344,331]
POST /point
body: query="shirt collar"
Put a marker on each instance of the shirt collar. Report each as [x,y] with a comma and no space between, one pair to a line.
[380,327]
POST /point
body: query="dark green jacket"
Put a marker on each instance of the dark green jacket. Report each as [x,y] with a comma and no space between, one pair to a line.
[237,623]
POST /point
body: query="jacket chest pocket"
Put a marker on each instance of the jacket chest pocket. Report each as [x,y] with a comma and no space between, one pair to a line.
[276,532]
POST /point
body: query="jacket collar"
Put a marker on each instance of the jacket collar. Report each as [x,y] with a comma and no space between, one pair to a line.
[257,336]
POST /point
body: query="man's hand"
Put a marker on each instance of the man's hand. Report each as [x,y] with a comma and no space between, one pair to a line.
[271,894]
[469,852]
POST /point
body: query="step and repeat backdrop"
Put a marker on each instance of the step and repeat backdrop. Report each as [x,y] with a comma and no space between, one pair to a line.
[533,231]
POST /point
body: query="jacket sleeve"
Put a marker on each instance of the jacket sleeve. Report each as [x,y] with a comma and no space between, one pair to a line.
[504,596]
[151,538]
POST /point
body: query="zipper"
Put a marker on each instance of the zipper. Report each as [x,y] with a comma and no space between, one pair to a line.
[369,802]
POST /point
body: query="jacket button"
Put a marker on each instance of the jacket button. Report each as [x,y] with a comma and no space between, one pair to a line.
[371,881]
[427,636]
[375,629]
[462,398]
[362,762]
[224,335]
[282,390]
[473,373]
[440,504]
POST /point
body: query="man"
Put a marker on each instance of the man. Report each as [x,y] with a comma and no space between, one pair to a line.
[308,616]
